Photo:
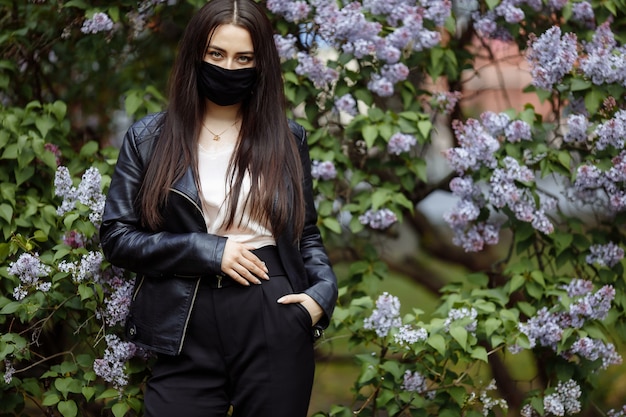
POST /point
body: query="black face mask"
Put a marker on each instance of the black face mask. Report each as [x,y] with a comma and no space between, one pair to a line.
[225,87]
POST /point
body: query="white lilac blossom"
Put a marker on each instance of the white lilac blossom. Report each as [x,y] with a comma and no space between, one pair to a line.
[414,382]
[324,170]
[551,57]
[517,131]
[495,123]
[378,219]
[407,335]
[564,401]
[490,403]
[111,367]
[9,370]
[607,255]
[29,269]
[400,142]
[475,237]
[87,269]
[477,147]
[578,287]
[510,12]
[64,188]
[385,316]
[577,125]
[616,412]
[100,22]
[346,104]
[462,313]
[544,329]
[88,192]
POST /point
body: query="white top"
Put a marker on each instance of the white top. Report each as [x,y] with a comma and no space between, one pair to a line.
[212,167]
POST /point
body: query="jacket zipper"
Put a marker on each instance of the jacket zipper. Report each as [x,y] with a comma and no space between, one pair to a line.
[195,290]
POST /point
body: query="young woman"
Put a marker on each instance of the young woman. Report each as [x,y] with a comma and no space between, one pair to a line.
[211,205]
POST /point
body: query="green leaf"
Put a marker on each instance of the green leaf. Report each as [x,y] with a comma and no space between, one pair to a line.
[491,325]
[120,409]
[480,353]
[460,335]
[11,307]
[438,343]
[44,125]
[85,292]
[50,399]
[90,148]
[332,224]
[88,393]
[68,408]
[370,133]
[6,212]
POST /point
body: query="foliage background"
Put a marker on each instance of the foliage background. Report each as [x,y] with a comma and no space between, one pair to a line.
[67,93]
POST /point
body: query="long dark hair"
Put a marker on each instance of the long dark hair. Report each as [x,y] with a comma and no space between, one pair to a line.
[266,149]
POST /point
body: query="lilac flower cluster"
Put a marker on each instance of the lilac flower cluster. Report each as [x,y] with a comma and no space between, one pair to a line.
[9,370]
[346,104]
[564,401]
[378,219]
[100,22]
[55,150]
[577,129]
[400,142]
[617,413]
[29,269]
[462,313]
[286,46]
[546,328]
[74,239]
[407,335]
[477,147]
[324,170]
[551,56]
[117,304]
[111,367]
[611,132]
[348,29]
[315,69]
[88,268]
[385,316]
[604,61]
[87,193]
[488,402]
[414,382]
[593,185]
[445,101]
[607,255]
[582,12]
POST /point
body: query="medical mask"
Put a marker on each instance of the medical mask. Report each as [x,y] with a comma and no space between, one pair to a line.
[225,87]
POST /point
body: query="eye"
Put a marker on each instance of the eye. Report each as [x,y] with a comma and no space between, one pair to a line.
[245,59]
[214,54]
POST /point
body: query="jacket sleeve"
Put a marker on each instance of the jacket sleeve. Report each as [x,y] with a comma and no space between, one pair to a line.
[320,275]
[126,244]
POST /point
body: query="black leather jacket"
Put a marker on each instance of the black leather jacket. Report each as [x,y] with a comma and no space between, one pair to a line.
[170,263]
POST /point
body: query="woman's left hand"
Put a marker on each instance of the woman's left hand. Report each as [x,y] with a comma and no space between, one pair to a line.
[314,309]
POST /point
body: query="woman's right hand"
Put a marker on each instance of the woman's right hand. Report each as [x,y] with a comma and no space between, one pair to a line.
[239,263]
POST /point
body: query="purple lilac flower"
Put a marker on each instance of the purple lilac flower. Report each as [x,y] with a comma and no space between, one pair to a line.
[111,367]
[90,194]
[395,72]
[286,46]
[437,11]
[577,128]
[414,382]
[55,150]
[564,401]
[604,62]
[495,123]
[292,11]
[476,150]
[118,303]
[379,219]
[445,101]
[100,22]
[64,188]
[544,328]
[324,170]
[490,403]
[616,412]
[551,57]
[612,132]
[346,104]
[592,349]
[380,86]
[74,239]
[578,287]
[517,131]
[583,12]
[29,269]
[594,306]
[510,12]
[400,142]
[407,335]
[474,238]
[385,316]
[485,24]
[607,255]
[315,70]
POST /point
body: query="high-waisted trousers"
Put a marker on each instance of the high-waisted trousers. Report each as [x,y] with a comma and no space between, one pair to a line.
[242,350]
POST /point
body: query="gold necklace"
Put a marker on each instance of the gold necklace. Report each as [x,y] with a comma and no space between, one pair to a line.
[218,136]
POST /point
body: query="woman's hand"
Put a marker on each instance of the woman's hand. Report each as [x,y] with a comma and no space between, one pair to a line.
[239,263]
[309,303]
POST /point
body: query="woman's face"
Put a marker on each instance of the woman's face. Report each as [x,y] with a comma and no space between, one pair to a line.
[230,47]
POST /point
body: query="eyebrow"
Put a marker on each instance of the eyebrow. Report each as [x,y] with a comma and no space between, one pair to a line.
[217,48]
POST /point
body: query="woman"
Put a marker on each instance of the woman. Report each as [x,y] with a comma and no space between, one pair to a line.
[211,205]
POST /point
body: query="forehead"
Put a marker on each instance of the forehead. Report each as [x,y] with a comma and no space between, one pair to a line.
[231,38]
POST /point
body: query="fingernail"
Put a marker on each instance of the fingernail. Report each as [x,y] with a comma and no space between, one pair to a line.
[258,281]
[280,300]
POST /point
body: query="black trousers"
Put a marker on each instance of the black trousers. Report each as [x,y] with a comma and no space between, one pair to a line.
[242,349]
